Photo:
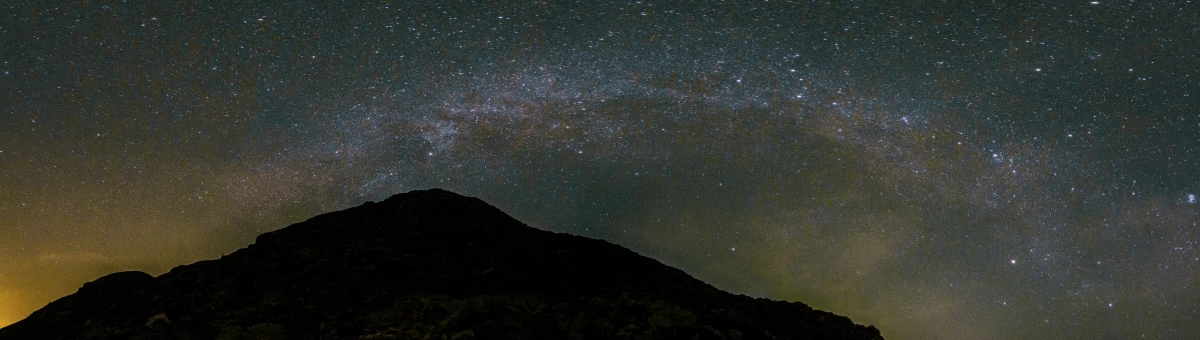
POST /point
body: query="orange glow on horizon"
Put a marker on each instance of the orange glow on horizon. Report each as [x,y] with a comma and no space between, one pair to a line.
[7,315]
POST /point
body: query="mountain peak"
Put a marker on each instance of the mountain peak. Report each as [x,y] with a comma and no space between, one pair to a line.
[420,265]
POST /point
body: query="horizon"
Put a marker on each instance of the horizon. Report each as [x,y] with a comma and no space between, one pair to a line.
[953,171]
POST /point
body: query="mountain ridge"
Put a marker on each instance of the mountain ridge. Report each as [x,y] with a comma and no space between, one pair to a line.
[427,264]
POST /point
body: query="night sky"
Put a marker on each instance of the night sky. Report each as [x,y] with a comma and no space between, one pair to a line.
[941,170]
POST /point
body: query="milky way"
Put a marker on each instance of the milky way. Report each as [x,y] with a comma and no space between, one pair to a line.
[940,171]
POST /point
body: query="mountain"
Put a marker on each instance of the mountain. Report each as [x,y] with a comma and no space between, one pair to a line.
[423,265]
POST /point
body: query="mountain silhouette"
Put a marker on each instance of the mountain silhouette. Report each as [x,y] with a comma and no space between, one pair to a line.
[423,265]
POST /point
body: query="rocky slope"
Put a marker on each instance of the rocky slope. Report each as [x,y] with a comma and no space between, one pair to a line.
[423,265]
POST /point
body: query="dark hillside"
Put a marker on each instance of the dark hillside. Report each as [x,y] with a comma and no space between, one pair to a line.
[423,265]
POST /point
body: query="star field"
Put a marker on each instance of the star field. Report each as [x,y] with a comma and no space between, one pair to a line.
[938,170]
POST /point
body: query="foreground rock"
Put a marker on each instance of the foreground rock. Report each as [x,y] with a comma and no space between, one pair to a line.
[423,265]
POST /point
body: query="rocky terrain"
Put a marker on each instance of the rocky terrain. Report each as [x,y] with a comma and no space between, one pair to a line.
[423,265]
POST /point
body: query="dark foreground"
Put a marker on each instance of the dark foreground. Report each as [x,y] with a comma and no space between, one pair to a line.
[423,265]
